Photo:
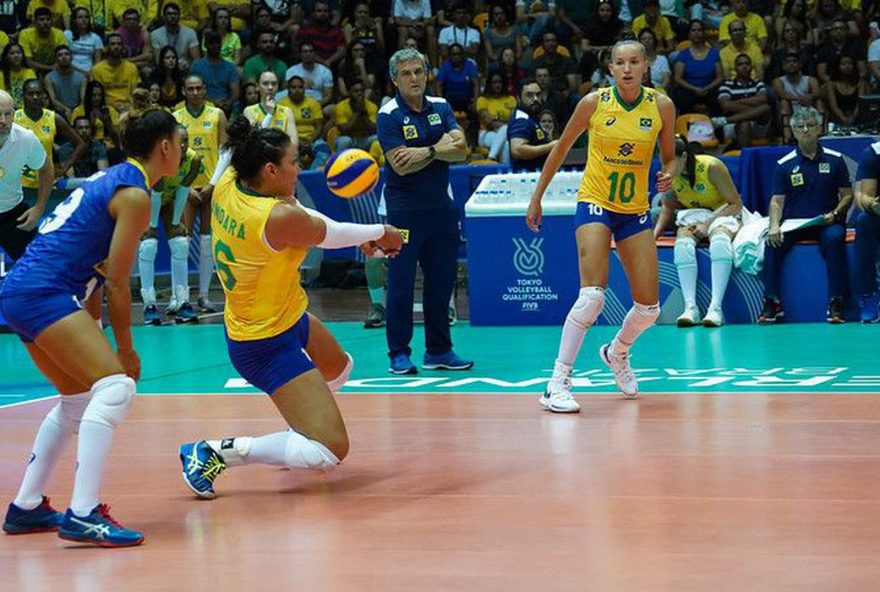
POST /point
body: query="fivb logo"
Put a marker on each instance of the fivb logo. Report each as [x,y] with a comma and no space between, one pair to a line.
[528,258]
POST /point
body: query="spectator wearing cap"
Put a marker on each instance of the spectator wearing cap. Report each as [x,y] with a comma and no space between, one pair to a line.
[220,76]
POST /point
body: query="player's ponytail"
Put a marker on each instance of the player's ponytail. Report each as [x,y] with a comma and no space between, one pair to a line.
[253,147]
[690,149]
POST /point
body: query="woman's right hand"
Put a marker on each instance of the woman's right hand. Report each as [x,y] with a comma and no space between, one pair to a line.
[391,242]
[534,215]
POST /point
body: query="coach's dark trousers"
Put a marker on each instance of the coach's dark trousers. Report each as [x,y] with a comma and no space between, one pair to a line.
[832,247]
[14,240]
[433,244]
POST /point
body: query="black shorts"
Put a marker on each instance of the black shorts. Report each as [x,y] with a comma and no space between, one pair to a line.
[13,240]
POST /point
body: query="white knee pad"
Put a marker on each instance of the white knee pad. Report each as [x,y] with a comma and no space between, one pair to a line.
[111,398]
[338,382]
[684,253]
[587,307]
[720,247]
[179,247]
[302,452]
[69,411]
[147,249]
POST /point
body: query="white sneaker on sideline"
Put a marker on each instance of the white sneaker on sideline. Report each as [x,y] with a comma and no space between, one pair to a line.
[689,318]
[558,398]
[623,375]
[714,317]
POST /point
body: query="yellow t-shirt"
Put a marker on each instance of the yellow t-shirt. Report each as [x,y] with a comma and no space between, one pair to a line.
[622,141]
[193,12]
[343,114]
[498,107]
[204,138]
[59,9]
[44,129]
[728,56]
[98,131]
[755,28]
[306,115]
[263,293]
[41,49]
[701,193]
[256,113]
[238,24]
[662,28]
[4,40]
[16,85]
[118,82]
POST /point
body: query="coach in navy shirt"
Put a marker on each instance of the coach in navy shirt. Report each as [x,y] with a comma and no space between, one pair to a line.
[420,137]
[529,144]
[810,182]
[867,223]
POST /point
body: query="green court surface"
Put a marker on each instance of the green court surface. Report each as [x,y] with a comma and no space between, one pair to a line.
[803,358]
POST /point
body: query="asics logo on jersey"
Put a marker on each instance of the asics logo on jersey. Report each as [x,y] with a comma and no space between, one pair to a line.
[99,530]
[626,149]
[610,121]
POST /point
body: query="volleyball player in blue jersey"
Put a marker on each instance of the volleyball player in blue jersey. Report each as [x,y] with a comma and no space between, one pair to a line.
[90,240]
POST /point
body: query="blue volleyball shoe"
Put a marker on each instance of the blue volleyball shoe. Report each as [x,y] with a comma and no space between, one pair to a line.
[201,465]
[98,528]
[43,518]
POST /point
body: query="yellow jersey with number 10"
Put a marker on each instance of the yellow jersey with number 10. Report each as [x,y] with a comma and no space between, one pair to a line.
[622,140]
[263,293]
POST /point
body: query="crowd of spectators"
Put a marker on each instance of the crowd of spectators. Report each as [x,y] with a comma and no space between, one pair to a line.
[748,65]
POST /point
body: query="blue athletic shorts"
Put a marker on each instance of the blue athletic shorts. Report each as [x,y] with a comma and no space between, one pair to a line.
[29,314]
[273,362]
[622,226]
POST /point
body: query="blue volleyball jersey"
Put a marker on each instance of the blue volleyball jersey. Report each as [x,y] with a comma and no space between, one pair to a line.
[70,251]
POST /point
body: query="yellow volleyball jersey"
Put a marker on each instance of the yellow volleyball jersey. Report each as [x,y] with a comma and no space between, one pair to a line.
[167,186]
[262,286]
[701,193]
[256,113]
[622,139]
[204,131]
[44,129]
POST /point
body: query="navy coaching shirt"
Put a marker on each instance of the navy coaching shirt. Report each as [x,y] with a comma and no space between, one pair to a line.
[811,187]
[398,125]
[869,163]
[521,125]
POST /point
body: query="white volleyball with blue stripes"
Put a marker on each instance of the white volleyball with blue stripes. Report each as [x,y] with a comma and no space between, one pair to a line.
[351,173]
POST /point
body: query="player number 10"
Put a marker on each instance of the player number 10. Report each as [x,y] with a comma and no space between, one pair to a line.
[622,189]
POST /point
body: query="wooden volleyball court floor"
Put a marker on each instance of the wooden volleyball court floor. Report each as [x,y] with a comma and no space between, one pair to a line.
[750,463]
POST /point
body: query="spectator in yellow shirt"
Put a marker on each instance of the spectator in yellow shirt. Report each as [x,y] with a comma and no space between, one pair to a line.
[652,19]
[356,119]
[14,72]
[309,119]
[756,30]
[118,76]
[40,40]
[738,45]
[59,10]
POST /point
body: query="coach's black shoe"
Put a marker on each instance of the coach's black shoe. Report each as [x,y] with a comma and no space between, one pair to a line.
[835,311]
[772,311]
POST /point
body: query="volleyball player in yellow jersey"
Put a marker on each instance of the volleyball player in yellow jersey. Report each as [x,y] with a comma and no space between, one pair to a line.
[45,124]
[706,207]
[625,121]
[206,126]
[168,197]
[261,236]
[267,113]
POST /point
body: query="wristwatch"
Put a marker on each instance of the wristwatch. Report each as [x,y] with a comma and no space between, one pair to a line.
[432,152]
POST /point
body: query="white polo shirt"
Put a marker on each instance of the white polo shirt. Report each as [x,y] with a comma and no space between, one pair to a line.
[22,148]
